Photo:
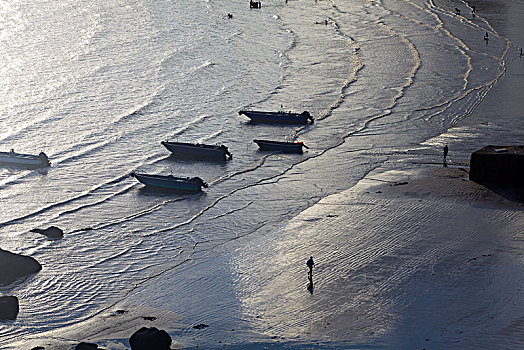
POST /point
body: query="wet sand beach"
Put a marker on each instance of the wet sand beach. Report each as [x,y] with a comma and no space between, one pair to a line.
[418,257]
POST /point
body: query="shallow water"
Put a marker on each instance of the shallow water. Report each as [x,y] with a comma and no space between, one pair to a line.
[98,85]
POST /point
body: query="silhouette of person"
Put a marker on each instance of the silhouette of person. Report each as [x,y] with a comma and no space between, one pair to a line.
[445,149]
[281,109]
[310,264]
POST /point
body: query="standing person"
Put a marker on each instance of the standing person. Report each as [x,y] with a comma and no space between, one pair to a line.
[445,154]
[310,264]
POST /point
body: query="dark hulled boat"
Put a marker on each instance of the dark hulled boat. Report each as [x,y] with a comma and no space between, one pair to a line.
[170,182]
[198,151]
[282,146]
[260,117]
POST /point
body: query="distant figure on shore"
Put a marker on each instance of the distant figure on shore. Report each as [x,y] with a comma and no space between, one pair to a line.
[310,264]
[473,10]
[229,15]
[445,149]
[281,109]
[486,37]
[457,11]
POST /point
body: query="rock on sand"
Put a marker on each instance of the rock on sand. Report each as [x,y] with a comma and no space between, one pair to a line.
[8,307]
[15,266]
[150,339]
[51,232]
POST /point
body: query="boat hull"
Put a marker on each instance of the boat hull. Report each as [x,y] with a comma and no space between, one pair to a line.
[197,151]
[24,160]
[259,117]
[285,147]
[170,182]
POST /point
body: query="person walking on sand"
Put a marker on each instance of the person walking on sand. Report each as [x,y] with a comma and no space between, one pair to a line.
[310,264]
[445,154]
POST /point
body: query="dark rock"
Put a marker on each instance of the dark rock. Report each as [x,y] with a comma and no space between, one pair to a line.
[8,308]
[201,326]
[86,346]
[51,232]
[38,348]
[498,165]
[14,266]
[149,318]
[150,339]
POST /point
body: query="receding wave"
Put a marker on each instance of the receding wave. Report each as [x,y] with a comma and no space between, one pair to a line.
[63,203]
[204,65]
[191,124]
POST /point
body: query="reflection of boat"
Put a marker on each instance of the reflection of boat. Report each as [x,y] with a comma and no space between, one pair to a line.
[170,182]
[29,160]
[259,117]
[286,147]
[196,150]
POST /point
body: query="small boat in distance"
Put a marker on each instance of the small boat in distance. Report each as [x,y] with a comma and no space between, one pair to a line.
[282,146]
[260,117]
[198,151]
[170,182]
[255,4]
[24,160]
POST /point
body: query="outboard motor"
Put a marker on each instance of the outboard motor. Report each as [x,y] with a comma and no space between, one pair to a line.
[44,159]
[309,117]
[226,152]
[199,181]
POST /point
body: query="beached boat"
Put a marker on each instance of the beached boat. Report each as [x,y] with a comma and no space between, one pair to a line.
[25,160]
[170,182]
[260,117]
[197,150]
[282,146]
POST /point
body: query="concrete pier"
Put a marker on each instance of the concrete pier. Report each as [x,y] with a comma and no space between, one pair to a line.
[502,165]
